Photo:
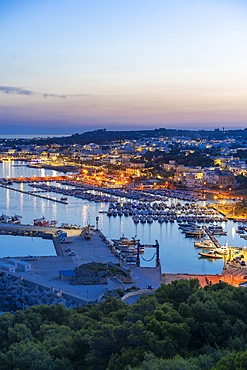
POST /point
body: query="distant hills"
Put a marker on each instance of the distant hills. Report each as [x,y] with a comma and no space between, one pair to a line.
[103,136]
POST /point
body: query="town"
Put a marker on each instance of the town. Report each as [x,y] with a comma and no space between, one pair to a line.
[203,165]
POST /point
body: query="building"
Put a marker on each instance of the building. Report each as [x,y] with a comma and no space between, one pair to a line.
[20,265]
[226,180]
[66,274]
[7,267]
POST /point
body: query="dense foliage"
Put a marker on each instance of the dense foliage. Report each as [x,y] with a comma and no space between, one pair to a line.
[194,159]
[236,209]
[242,181]
[181,327]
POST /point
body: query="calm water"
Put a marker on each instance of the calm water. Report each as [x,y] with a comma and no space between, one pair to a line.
[20,246]
[177,253]
[24,136]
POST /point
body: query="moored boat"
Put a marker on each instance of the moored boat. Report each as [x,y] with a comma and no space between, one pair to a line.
[195,233]
[211,254]
[205,243]
[222,250]
[16,219]
[40,222]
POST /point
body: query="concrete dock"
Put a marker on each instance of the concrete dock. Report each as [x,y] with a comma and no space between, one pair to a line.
[45,269]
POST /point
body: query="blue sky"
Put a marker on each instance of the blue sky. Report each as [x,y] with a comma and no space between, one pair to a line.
[75,65]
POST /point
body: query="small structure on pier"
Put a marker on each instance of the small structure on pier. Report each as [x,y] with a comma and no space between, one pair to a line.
[157,253]
[66,274]
[20,265]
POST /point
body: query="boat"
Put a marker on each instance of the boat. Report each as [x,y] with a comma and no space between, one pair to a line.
[40,222]
[53,223]
[240,229]
[187,226]
[123,240]
[222,250]
[16,219]
[143,219]
[7,182]
[219,232]
[195,234]
[161,220]
[64,198]
[211,254]
[205,243]
[135,219]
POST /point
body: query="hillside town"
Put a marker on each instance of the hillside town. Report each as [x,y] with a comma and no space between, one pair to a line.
[178,162]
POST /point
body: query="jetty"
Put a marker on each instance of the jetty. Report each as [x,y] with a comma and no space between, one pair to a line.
[34,194]
[212,237]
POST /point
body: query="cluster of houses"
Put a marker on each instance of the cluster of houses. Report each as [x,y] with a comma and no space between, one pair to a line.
[129,155]
[202,178]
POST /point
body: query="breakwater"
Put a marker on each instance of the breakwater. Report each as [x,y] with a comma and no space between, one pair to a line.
[19,293]
[35,194]
[27,230]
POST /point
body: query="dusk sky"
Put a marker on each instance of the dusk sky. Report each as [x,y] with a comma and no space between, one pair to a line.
[70,66]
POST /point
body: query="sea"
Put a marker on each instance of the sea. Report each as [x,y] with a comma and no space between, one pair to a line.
[177,253]
[30,136]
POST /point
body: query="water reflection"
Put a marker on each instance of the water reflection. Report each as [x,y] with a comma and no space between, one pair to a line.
[122,226]
[7,199]
[84,215]
[21,201]
[233,234]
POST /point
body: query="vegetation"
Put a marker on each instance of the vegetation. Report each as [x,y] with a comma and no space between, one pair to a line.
[181,327]
[196,158]
[98,273]
[242,181]
[235,210]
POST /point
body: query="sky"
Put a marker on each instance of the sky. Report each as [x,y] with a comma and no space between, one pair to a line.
[70,66]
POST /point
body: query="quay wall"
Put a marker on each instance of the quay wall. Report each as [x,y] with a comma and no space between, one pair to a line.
[57,246]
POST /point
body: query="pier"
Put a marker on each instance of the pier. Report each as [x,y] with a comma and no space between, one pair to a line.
[34,194]
[36,178]
[212,237]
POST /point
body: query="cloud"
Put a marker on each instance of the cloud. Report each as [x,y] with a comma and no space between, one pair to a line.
[11,90]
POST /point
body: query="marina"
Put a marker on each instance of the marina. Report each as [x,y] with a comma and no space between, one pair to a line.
[177,252]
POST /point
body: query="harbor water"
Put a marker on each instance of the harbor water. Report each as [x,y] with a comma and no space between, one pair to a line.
[177,253]
[23,246]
